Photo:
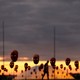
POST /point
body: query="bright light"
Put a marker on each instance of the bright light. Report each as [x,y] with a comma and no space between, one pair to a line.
[23,58]
[1,58]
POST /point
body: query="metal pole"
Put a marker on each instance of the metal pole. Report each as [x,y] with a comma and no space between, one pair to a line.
[54,42]
[54,51]
[3,41]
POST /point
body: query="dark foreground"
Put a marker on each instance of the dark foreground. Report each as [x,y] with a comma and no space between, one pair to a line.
[11,77]
[46,79]
[76,76]
[7,77]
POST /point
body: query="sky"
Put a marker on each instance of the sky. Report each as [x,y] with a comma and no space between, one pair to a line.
[29,28]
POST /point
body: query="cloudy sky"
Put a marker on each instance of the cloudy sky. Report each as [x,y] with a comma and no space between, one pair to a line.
[29,28]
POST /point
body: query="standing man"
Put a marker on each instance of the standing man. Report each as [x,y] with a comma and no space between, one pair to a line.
[46,70]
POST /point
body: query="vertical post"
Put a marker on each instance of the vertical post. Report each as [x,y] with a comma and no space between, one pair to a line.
[54,51]
[3,41]
[54,42]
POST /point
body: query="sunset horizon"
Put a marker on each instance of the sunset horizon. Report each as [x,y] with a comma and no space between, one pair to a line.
[32,65]
[38,37]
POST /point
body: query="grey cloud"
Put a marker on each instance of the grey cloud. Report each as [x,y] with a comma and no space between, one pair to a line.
[30,24]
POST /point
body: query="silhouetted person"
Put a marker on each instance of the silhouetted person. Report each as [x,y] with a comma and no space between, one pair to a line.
[46,70]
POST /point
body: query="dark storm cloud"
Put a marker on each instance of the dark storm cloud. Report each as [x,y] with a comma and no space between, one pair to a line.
[29,27]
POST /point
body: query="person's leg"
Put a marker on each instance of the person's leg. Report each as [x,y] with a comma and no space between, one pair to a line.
[48,75]
[43,76]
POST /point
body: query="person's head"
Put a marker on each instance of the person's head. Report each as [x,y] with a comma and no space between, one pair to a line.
[47,61]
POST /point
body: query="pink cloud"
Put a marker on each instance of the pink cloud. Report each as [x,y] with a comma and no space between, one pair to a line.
[8,58]
[23,58]
[5,58]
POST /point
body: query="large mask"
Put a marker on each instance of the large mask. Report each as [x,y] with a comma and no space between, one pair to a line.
[14,55]
[68,60]
[36,59]
[76,63]
[52,62]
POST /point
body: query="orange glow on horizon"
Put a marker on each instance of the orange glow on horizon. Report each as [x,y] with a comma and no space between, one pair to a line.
[7,58]
[23,58]
[1,58]
[31,63]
